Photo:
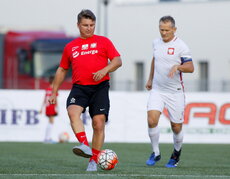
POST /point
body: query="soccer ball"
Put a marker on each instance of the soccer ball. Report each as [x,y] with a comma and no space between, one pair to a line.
[107,159]
[64,137]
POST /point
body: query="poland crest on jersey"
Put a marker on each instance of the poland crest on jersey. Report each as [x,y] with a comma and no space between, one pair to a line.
[170,51]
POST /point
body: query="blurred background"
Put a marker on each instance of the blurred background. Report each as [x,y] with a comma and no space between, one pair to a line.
[33,34]
[130,24]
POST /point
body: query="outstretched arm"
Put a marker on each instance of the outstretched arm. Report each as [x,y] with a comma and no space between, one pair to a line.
[111,67]
[59,78]
[148,85]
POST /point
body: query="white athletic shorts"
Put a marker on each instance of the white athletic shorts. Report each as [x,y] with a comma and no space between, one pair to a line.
[173,102]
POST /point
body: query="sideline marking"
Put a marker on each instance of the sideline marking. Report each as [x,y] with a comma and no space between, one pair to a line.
[117,175]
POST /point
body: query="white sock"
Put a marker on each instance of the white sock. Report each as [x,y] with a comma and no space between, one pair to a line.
[154,135]
[178,139]
[48,133]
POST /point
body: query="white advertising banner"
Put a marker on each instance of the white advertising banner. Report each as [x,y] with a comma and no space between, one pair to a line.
[207,118]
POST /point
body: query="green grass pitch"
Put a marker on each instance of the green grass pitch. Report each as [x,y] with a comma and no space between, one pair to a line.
[51,161]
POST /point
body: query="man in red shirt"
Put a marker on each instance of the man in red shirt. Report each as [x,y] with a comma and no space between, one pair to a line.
[88,57]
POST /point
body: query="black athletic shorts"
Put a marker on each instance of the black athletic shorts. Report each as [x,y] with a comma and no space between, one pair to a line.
[96,97]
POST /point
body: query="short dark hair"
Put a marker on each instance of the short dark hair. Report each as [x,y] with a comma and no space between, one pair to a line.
[87,14]
[168,19]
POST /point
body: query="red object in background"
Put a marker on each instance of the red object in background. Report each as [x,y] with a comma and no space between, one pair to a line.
[30,57]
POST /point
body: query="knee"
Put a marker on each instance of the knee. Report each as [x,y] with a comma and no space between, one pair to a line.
[152,122]
[73,114]
[176,128]
[98,124]
[70,113]
[153,118]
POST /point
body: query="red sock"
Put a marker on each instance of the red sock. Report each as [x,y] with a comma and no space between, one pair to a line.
[95,154]
[81,137]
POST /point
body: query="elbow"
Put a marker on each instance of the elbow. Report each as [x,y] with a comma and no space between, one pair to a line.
[192,70]
[116,63]
[120,63]
[188,67]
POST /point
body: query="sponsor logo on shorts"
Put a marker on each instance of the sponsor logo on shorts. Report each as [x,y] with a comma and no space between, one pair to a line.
[72,100]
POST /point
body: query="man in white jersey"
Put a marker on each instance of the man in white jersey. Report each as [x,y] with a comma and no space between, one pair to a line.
[171,57]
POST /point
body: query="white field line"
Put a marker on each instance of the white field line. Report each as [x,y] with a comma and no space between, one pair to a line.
[116,175]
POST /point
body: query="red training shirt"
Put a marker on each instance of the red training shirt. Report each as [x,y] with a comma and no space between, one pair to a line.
[87,56]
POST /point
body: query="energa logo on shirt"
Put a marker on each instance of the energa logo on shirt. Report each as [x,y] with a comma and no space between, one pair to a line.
[75,54]
[85,46]
[86,50]
[89,52]
[92,52]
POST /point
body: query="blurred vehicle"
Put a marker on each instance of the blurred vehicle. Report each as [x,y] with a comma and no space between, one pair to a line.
[28,58]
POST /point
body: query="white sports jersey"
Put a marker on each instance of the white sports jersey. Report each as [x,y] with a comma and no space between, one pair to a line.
[166,55]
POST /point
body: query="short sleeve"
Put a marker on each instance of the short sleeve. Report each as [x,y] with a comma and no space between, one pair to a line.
[65,60]
[111,50]
[186,55]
